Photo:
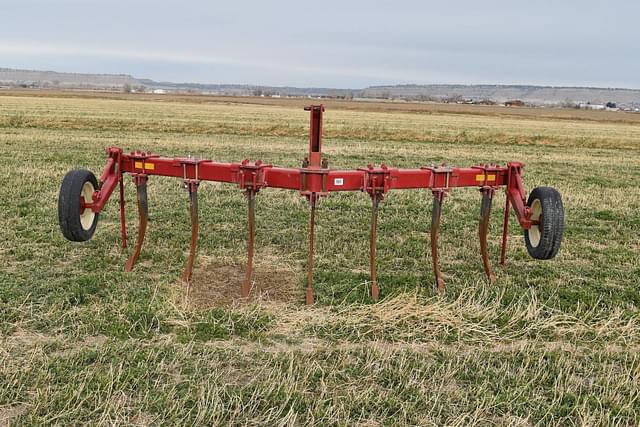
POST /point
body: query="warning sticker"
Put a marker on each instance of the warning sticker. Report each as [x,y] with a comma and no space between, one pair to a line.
[480,178]
[147,166]
[338,181]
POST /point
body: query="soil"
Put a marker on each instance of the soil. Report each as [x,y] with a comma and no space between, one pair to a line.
[219,285]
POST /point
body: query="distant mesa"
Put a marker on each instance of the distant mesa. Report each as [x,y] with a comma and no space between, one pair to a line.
[508,95]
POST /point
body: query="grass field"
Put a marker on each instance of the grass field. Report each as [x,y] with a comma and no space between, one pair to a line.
[551,343]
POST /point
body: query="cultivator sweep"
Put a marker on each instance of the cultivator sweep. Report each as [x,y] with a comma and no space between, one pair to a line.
[541,215]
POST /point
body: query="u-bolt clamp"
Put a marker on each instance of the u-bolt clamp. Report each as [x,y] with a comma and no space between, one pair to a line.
[313,180]
[440,177]
[376,180]
[191,172]
[251,175]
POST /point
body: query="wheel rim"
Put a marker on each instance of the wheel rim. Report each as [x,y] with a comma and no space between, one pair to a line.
[534,231]
[87,215]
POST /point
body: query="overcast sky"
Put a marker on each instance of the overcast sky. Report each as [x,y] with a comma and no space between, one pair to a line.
[346,44]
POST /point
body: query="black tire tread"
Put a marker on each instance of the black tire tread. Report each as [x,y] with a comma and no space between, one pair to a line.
[552,225]
[69,205]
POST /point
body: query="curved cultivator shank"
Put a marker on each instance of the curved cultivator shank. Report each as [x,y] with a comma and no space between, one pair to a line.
[438,197]
[375,291]
[483,230]
[541,216]
[251,203]
[193,213]
[143,219]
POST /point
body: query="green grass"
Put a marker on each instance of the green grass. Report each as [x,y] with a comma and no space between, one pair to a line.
[81,341]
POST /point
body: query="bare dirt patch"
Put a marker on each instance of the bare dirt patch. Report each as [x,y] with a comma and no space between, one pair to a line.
[218,285]
[8,413]
[142,420]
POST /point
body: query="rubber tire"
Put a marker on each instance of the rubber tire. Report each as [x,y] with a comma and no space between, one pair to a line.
[69,205]
[551,226]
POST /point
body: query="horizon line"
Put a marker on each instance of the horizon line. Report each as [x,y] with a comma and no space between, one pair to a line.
[257,85]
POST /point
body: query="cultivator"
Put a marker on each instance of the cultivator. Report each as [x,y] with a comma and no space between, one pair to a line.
[82,198]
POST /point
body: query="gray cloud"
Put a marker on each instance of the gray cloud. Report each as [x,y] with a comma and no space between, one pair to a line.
[330,43]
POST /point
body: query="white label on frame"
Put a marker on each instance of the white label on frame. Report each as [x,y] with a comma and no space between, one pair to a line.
[338,181]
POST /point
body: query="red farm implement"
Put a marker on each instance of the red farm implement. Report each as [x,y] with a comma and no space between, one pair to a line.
[541,215]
